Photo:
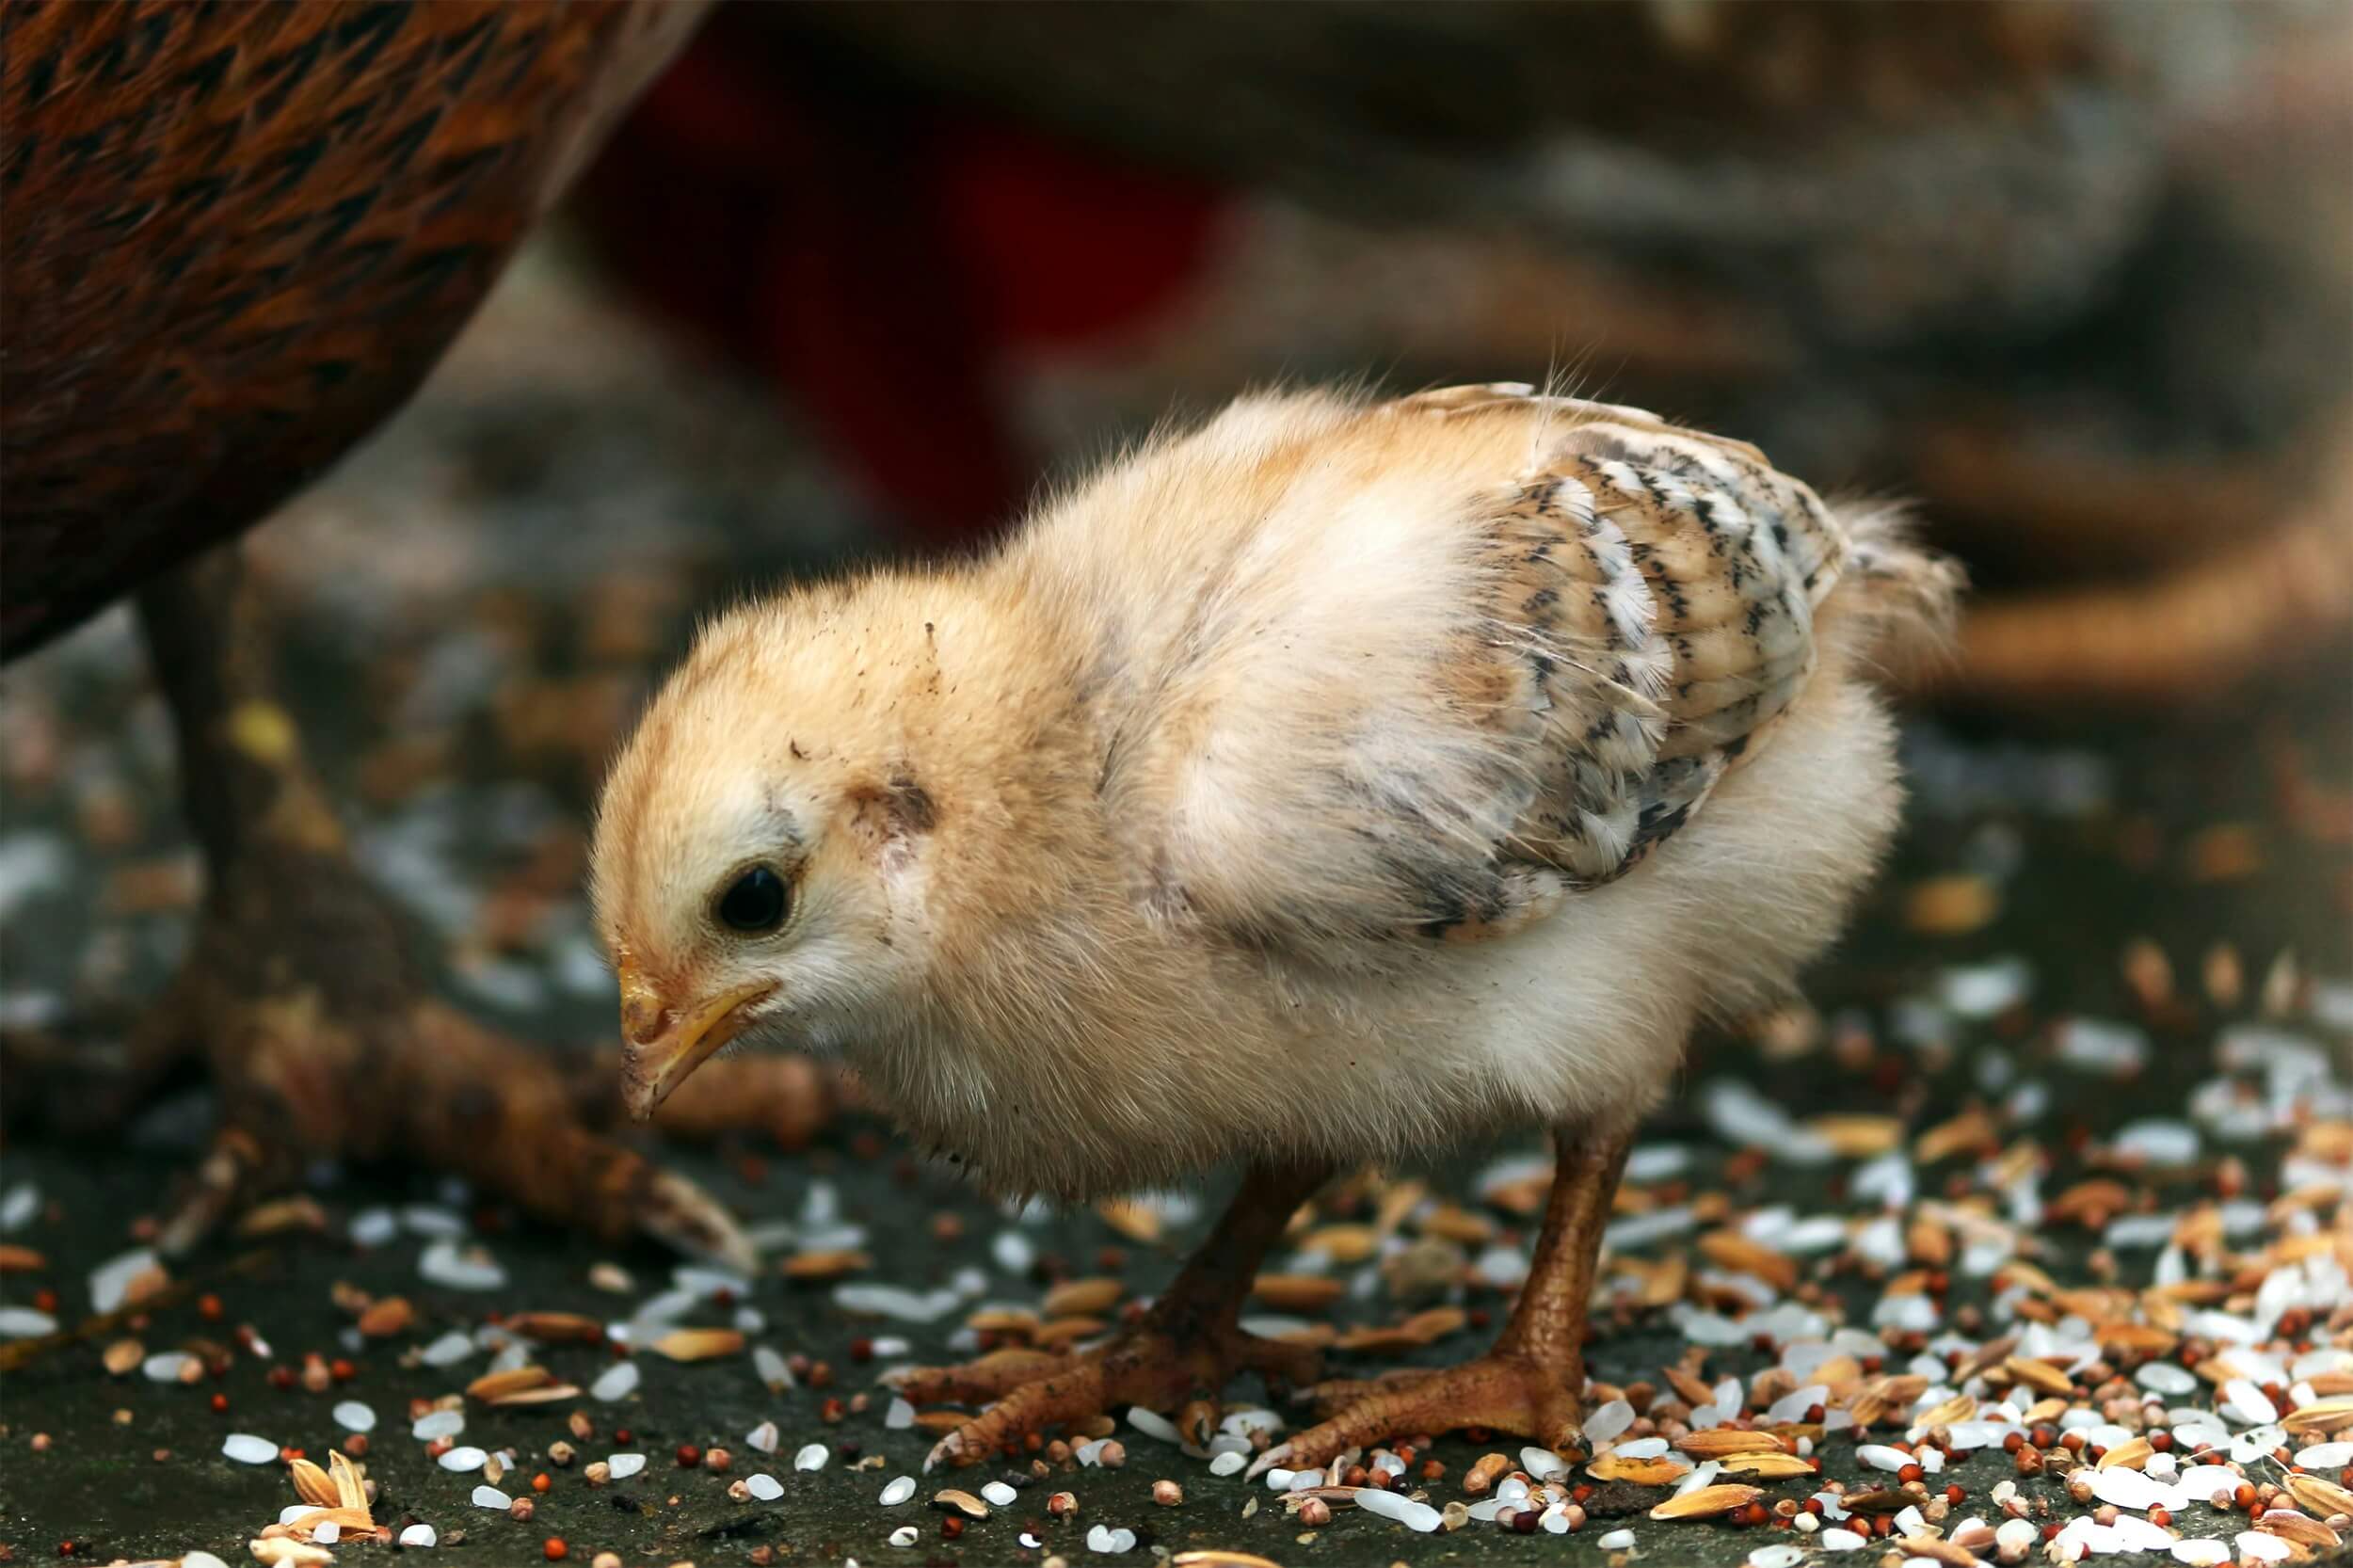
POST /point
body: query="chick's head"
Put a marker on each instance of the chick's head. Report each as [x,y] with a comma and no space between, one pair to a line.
[762,845]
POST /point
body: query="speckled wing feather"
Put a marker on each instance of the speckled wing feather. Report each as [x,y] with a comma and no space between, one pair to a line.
[1654,597]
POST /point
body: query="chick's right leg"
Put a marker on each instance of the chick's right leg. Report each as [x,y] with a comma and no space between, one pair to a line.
[1178,1359]
[1532,1382]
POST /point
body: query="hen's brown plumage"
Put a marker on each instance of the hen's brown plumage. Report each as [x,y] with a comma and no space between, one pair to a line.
[238,236]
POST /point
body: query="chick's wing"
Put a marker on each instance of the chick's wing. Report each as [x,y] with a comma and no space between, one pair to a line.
[1440,709]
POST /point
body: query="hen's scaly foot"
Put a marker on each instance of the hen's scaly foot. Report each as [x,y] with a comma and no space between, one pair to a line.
[1168,1365]
[304,1072]
[300,991]
[1502,1393]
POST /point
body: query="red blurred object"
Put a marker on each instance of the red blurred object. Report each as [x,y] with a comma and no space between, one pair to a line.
[880,253]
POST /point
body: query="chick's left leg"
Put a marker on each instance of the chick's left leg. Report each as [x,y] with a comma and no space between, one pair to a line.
[1534,1381]
[1178,1359]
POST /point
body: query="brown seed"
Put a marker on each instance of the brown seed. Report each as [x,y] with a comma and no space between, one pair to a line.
[1723,1442]
[1707,1502]
[20,1260]
[1298,1292]
[123,1355]
[351,1491]
[1970,1131]
[556,1328]
[1112,1455]
[1422,1328]
[2322,1495]
[699,1344]
[1062,1505]
[2132,1455]
[1773,1466]
[2226,980]
[493,1387]
[2302,1528]
[1638,1472]
[1314,1512]
[1083,1298]
[386,1318]
[2149,973]
[1343,1243]
[1133,1221]
[1951,905]
[597,1473]
[1938,1551]
[1731,1249]
[560,1454]
[1219,1557]
[2321,1415]
[1487,1470]
[830,1264]
[1167,1493]
[312,1484]
[1858,1137]
[1452,1223]
[520,1509]
[2038,1375]
[952,1500]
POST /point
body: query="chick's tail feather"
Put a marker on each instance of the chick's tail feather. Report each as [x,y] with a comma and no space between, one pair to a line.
[1897,603]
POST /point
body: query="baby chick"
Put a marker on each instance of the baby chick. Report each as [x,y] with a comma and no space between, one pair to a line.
[1336,781]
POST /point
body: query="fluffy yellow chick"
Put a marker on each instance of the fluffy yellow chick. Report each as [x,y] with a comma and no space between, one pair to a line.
[1332,783]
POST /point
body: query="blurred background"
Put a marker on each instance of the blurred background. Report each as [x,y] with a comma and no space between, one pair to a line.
[2076,280]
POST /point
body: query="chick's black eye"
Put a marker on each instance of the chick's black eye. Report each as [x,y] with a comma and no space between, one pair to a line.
[756,901]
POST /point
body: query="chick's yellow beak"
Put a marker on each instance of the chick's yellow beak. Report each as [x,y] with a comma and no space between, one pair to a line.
[661,1045]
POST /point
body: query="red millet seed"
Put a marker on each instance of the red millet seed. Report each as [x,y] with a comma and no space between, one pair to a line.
[555,1548]
[220,1403]
[689,1456]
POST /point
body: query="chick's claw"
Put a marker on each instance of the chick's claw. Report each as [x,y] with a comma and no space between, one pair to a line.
[1159,1368]
[1501,1393]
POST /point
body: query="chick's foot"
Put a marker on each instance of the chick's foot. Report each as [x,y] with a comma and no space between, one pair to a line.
[300,991]
[1501,1393]
[1532,1384]
[1178,1359]
[1168,1364]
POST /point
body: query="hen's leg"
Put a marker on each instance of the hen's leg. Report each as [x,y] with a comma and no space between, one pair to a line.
[300,987]
[1534,1381]
[1179,1358]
